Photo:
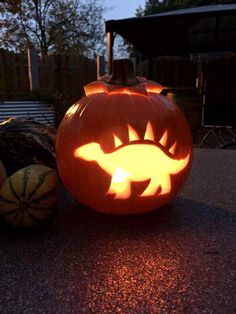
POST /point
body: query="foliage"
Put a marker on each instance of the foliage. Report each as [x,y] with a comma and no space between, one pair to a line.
[62,26]
[121,48]
[158,6]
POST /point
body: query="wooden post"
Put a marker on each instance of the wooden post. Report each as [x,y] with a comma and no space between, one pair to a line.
[33,68]
[100,66]
[110,42]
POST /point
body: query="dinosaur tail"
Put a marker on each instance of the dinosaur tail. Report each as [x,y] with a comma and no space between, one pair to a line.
[175,166]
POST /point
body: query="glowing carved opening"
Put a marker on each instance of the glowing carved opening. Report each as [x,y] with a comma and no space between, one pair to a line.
[127,91]
[99,87]
[149,134]
[150,88]
[95,88]
[120,185]
[136,162]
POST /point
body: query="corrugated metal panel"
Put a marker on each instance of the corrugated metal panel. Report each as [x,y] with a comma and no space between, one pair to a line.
[40,111]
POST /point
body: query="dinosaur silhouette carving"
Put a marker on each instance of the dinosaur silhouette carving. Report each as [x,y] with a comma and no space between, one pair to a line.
[138,161]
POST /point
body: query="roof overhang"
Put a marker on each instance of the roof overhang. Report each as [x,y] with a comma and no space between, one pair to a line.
[181,32]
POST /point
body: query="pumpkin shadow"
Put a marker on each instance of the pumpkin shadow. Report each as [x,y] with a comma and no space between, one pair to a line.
[73,219]
[75,215]
[181,214]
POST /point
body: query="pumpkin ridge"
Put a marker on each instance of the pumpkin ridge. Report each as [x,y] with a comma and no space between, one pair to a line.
[32,216]
[10,212]
[13,190]
[44,196]
[38,185]
[25,181]
[3,199]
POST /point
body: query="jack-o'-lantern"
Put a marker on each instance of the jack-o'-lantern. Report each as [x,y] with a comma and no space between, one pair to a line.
[124,148]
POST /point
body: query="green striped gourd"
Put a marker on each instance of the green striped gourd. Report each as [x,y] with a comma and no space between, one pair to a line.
[29,195]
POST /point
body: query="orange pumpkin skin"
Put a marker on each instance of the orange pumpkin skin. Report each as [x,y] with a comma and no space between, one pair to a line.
[109,112]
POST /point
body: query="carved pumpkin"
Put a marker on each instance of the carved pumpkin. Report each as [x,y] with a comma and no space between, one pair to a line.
[123,148]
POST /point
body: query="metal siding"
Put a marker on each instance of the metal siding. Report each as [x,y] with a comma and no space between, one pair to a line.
[40,111]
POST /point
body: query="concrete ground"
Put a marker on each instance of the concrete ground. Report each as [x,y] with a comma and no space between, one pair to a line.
[178,259]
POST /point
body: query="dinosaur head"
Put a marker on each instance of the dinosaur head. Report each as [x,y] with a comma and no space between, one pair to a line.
[88,152]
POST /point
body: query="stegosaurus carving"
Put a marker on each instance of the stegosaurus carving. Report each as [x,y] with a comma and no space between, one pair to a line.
[137,161]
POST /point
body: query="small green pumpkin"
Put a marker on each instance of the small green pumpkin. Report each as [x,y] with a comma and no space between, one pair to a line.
[29,196]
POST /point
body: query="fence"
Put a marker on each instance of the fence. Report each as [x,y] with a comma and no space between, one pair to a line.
[57,75]
[66,75]
[171,71]
[58,79]
[14,81]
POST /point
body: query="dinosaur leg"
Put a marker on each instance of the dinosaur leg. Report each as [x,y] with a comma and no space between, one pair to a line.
[165,184]
[151,188]
[122,190]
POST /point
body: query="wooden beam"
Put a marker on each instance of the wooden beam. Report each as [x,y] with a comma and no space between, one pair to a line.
[110,42]
[33,68]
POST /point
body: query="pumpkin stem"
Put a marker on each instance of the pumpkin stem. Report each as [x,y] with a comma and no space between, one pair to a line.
[123,73]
